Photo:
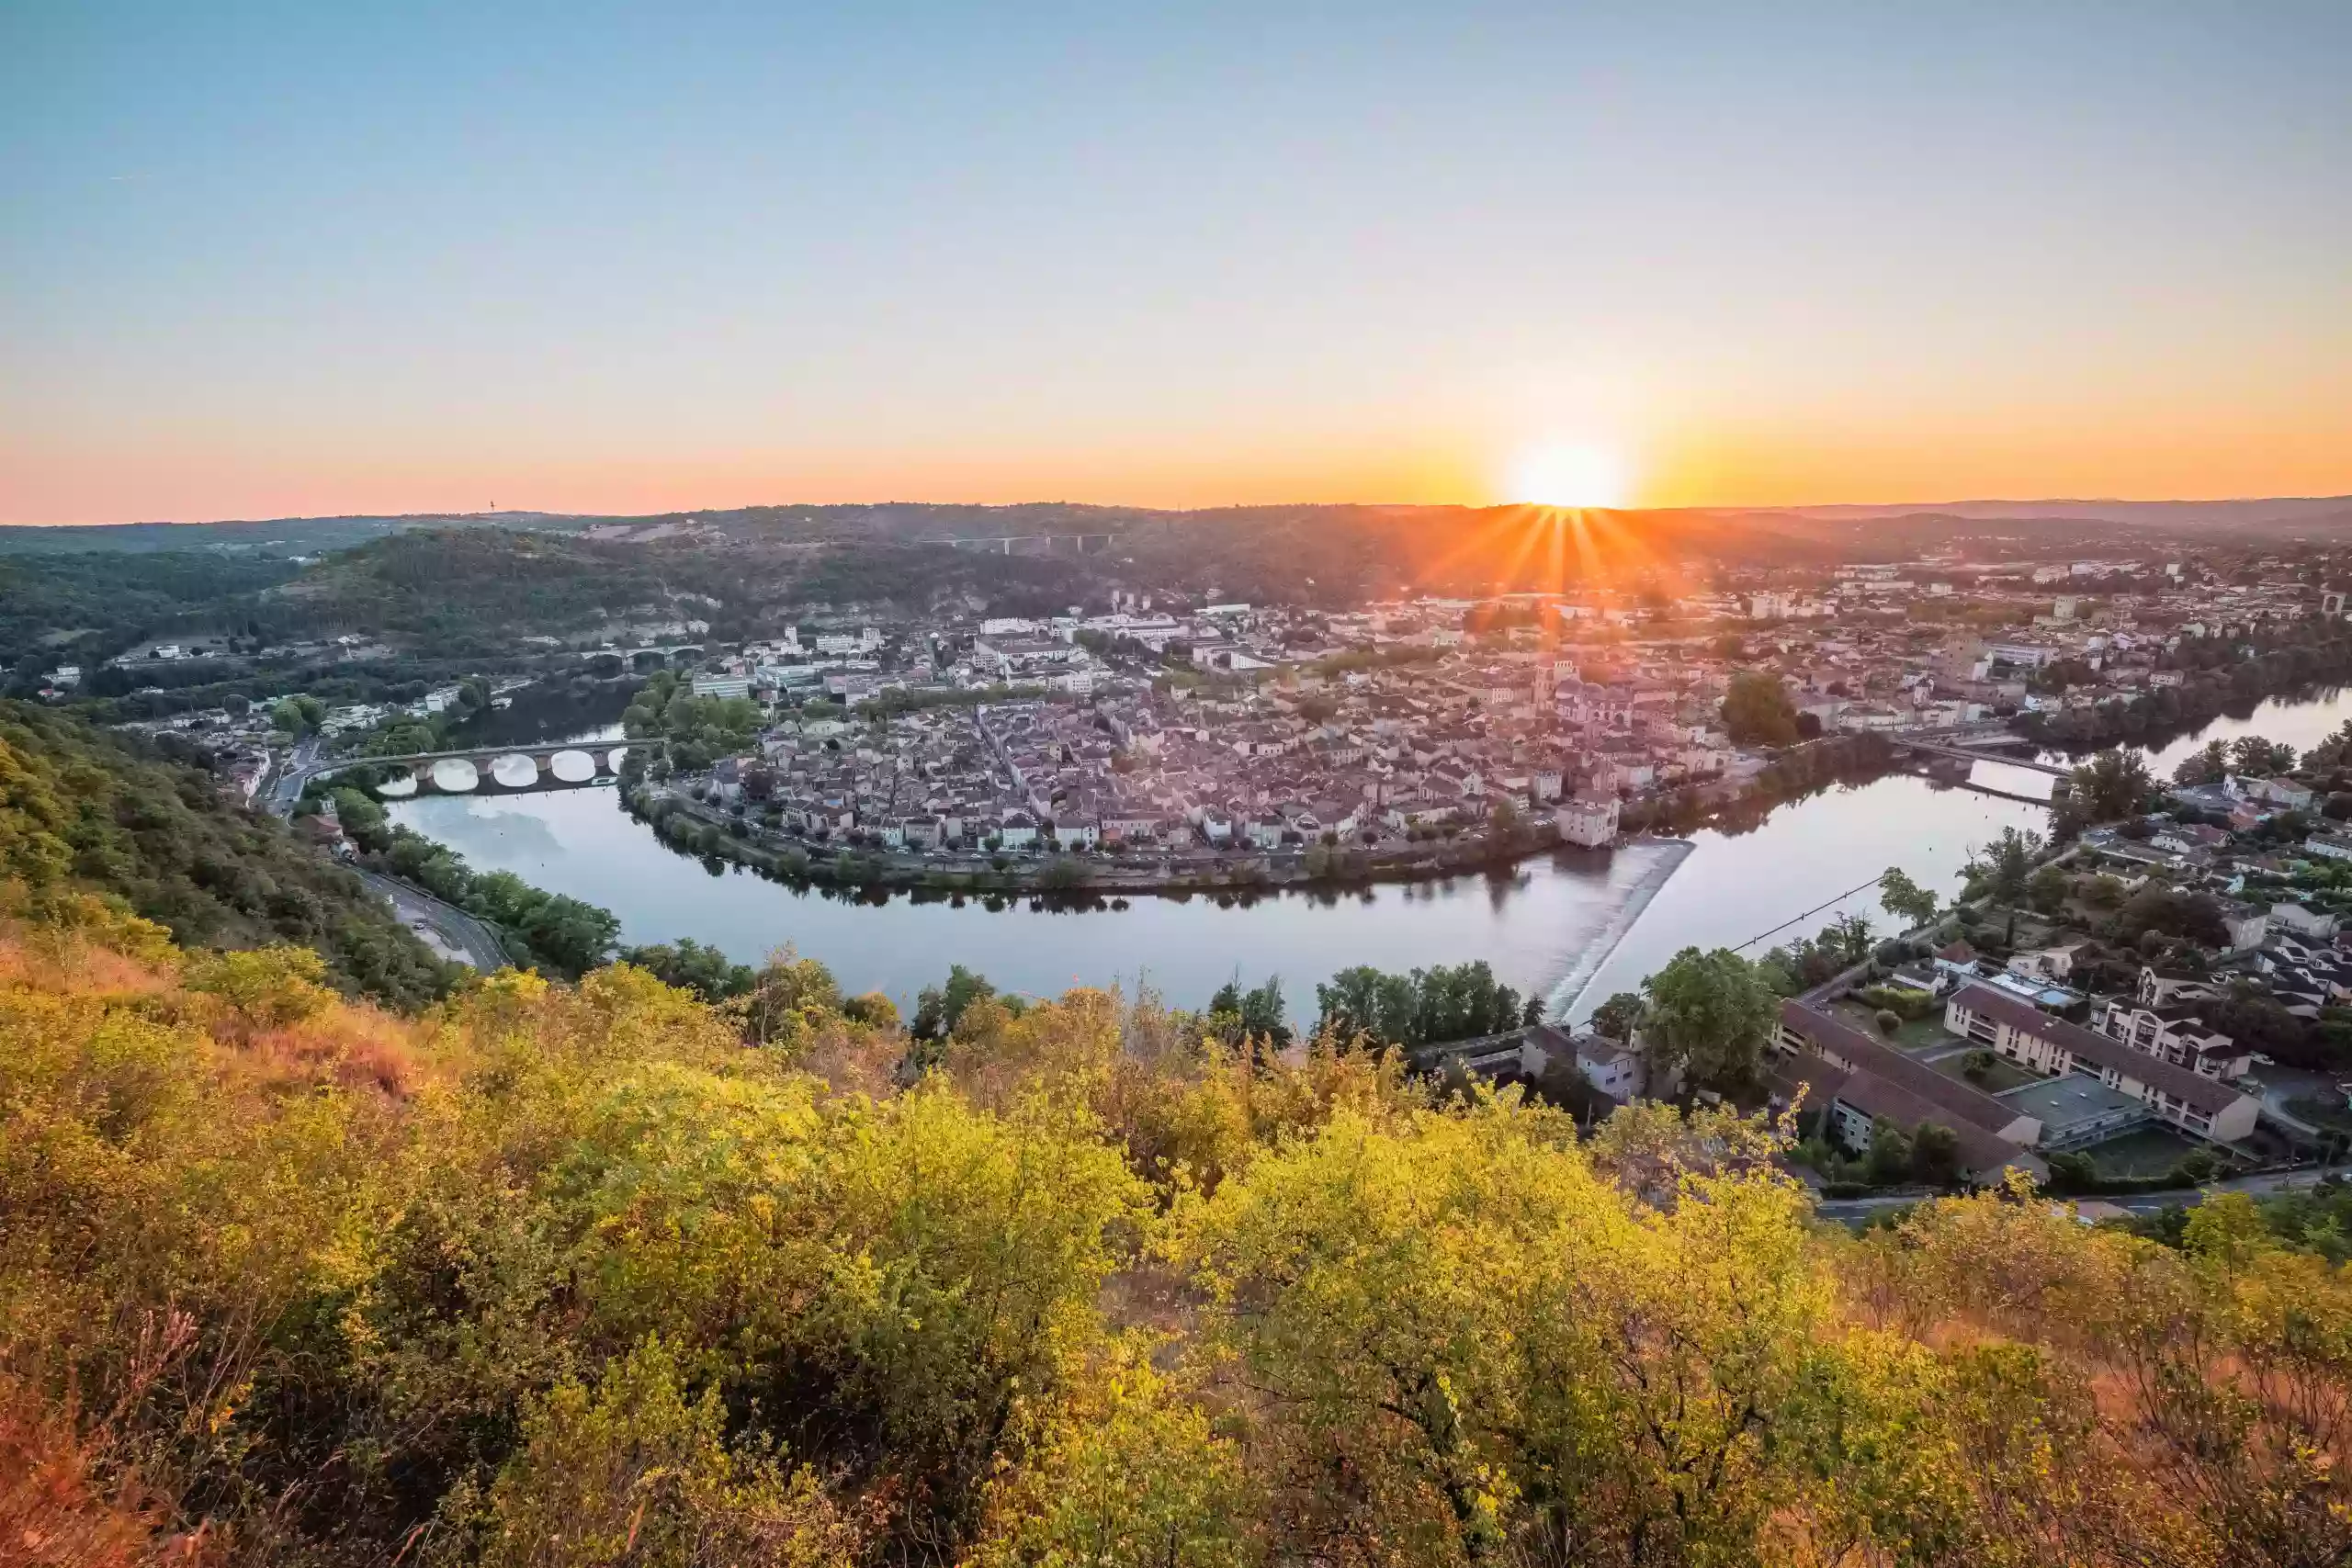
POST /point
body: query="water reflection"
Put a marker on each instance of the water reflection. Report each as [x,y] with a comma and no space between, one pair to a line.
[1558,924]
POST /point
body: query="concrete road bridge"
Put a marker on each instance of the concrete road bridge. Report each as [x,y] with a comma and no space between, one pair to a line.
[488,769]
[1976,743]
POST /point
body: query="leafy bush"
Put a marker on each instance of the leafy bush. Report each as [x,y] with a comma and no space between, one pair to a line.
[1907,1003]
[587,1280]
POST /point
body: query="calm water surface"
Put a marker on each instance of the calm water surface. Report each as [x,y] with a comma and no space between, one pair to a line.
[1576,927]
[2301,724]
[1578,924]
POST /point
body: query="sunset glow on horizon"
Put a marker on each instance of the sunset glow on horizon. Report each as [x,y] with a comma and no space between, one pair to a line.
[328,261]
[1570,476]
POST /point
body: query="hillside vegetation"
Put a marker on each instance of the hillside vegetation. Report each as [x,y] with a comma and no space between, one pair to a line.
[485,585]
[579,1275]
[85,810]
[88,605]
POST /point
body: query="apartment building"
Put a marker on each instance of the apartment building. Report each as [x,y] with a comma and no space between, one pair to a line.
[2176,1095]
[1857,1079]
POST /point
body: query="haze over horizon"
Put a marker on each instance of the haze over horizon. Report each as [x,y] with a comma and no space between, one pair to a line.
[285,261]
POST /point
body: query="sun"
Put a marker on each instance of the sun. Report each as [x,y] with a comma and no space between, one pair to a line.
[1569,477]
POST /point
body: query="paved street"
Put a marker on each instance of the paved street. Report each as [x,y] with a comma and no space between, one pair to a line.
[2137,1203]
[459,932]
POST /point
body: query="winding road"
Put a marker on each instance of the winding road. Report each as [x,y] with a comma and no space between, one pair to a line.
[457,930]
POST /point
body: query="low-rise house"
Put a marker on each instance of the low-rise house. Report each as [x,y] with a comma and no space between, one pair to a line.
[1588,819]
[2188,837]
[2285,793]
[2328,846]
[2304,976]
[2157,989]
[2247,924]
[1616,1069]
[2302,921]
[2050,964]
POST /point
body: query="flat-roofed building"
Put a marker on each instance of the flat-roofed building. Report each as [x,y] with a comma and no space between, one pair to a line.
[2016,1028]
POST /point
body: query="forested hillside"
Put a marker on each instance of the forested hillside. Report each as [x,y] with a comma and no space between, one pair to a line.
[489,584]
[603,1275]
[88,605]
[83,810]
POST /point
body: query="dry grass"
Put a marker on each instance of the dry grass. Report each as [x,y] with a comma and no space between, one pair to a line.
[351,1046]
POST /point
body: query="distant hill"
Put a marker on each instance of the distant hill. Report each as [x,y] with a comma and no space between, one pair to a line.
[2286,512]
[1732,532]
[279,536]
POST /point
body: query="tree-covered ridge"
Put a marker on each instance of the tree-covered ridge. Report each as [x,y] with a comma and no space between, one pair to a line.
[83,810]
[492,584]
[574,1275]
[80,606]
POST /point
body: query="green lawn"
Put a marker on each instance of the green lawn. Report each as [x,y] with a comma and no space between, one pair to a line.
[1919,1034]
[2001,1075]
[2147,1151]
[1923,1033]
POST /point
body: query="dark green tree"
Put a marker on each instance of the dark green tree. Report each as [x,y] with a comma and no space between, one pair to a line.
[1756,710]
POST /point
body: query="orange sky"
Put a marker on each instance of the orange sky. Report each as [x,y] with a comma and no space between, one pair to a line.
[255,265]
[216,476]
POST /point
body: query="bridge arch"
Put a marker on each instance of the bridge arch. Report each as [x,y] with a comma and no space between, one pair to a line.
[514,771]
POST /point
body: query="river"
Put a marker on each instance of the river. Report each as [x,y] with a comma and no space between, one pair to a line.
[2301,722]
[1576,927]
[1578,924]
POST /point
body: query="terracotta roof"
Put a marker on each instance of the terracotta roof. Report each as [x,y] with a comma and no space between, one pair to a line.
[2205,1095]
[1982,1154]
[1956,1102]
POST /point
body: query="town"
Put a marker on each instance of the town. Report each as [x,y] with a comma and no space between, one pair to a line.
[1131,786]
[1146,741]
[2152,988]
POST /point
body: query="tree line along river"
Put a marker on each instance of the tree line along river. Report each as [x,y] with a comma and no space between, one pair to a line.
[1573,927]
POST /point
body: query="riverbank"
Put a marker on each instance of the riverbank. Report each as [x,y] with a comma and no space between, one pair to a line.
[695,828]
[698,827]
[1535,921]
[2295,673]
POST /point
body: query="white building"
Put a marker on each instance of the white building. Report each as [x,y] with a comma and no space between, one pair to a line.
[2328,846]
[1588,819]
[2014,1028]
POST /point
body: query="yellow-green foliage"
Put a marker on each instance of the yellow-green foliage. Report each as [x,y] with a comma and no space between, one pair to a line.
[573,1275]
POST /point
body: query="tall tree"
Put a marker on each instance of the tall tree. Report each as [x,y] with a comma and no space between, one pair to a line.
[2000,869]
[1905,900]
[1709,1013]
[2254,755]
[2113,785]
[1618,1017]
[2208,764]
[1756,710]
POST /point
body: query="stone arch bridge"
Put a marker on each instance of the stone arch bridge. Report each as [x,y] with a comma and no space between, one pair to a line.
[488,769]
